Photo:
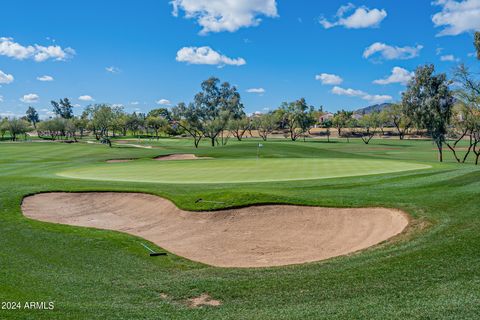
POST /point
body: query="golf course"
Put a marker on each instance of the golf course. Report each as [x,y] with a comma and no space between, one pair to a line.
[101,274]
[240,160]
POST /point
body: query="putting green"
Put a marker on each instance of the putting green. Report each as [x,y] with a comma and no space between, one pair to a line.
[237,171]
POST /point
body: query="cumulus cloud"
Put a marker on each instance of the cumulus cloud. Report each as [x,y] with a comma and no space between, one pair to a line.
[256,90]
[45,78]
[361,94]
[329,79]
[225,15]
[206,55]
[112,69]
[449,57]
[85,98]
[30,98]
[392,53]
[362,17]
[163,102]
[12,49]
[134,103]
[5,78]
[399,75]
[457,17]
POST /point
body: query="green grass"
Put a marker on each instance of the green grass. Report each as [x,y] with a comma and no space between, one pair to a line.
[431,272]
[237,170]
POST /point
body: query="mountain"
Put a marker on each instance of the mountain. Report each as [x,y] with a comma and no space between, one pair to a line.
[373,108]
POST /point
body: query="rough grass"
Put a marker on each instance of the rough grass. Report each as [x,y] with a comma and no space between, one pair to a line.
[430,272]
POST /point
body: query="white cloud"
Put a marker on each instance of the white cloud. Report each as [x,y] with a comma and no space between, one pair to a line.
[347,92]
[457,17]
[1,98]
[30,98]
[377,98]
[329,79]
[5,78]
[361,94]
[85,98]
[256,90]
[164,102]
[134,103]
[45,78]
[12,49]
[225,15]
[391,53]
[206,55]
[448,57]
[362,17]
[399,75]
[112,69]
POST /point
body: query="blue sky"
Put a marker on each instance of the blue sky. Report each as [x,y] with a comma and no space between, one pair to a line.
[338,54]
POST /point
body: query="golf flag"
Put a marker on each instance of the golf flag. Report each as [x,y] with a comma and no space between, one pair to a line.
[260,145]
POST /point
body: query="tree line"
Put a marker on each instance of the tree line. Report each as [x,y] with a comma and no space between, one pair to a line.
[431,105]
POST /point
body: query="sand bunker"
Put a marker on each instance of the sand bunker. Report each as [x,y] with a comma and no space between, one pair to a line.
[179,156]
[256,236]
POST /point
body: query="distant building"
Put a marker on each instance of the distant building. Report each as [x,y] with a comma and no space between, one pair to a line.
[326,116]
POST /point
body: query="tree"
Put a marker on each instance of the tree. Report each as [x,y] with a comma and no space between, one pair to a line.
[3,127]
[397,115]
[215,105]
[298,117]
[466,117]
[265,124]
[383,120]
[156,123]
[159,112]
[327,124]
[188,118]
[32,116]
[55,128]
[81,123]
[341,119]
[370,123]
[63,108]
[429,102]
[477,44]
[16,127]
[134,122]
[101,118]
[239,126]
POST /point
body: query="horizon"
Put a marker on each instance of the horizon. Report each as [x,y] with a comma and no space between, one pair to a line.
[339,55]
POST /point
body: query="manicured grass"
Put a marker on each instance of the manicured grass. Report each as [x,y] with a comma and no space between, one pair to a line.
[431,272]
[237,170]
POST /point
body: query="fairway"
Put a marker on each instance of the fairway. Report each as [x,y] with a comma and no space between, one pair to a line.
[237,170]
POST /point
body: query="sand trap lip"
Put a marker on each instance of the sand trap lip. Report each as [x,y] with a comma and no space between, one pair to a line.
[256,236]
[179,156]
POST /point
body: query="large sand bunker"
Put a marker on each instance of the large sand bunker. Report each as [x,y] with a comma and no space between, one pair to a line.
[256,236]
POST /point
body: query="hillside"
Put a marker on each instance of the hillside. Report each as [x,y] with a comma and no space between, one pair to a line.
[373,108]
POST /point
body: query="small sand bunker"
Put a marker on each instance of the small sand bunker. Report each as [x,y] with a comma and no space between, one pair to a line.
[256,236]
[179,156]
[203,300]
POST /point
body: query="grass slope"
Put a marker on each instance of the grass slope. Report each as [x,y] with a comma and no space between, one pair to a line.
[430,272]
